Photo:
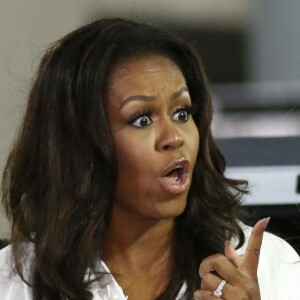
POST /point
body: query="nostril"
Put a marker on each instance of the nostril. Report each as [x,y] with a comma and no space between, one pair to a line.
[166,147]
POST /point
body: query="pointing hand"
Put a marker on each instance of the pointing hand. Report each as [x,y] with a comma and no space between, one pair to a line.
[240,274]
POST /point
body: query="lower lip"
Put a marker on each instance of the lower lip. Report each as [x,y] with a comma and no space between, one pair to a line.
[172,186]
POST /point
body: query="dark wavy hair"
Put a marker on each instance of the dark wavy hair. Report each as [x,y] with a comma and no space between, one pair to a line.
[58,182]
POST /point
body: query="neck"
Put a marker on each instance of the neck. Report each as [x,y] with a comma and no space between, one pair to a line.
[138,244]
[138,253]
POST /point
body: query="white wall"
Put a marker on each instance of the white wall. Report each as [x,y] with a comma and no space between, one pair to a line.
[274,44]
[27,27]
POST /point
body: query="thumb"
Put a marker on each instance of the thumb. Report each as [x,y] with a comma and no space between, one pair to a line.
[231,254]
[251,257]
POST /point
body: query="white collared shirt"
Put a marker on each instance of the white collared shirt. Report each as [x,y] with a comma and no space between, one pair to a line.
[278,274]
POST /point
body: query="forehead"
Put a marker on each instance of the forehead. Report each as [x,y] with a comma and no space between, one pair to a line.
[137,71]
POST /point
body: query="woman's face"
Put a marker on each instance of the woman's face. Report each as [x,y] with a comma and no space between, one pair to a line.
[155,137]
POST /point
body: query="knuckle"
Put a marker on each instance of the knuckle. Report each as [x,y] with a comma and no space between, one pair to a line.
[210,258]
[206,279]
[218,259]
[256,252]
[210,263]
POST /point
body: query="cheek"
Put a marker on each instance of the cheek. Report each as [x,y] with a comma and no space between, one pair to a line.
[197,142]
[131,154]
[194,140]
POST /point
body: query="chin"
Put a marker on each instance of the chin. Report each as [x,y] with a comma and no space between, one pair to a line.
[172,208]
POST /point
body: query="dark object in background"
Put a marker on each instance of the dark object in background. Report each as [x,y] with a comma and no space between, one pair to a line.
[269,152]
[285,220]
[223,52]
[4,243]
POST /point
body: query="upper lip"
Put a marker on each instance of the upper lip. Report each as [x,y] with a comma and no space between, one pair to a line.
[182,164]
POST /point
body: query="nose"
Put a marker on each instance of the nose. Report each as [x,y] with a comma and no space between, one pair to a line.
[168,137]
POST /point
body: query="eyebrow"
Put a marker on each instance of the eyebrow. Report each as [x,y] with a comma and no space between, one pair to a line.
[174,96]
[179,93]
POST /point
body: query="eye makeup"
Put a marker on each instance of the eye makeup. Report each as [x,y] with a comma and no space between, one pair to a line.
[143,118]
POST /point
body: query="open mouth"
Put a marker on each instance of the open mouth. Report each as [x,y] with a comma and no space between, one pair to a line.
[175,178]
[176,173]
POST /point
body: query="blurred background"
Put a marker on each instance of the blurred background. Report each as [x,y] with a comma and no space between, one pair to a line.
[251,52]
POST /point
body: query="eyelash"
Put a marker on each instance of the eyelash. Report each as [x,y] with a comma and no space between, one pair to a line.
[189,109]
[144,113]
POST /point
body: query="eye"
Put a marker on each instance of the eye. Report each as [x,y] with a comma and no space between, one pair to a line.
[181,115]
[141,120]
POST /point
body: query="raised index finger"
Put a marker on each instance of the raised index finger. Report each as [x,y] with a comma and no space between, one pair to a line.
[251,257]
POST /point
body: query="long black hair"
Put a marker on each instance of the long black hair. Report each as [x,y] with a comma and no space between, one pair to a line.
[61,173]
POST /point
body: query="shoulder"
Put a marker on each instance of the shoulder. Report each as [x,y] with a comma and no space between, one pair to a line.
[279,266]
[11,285]
[6,269]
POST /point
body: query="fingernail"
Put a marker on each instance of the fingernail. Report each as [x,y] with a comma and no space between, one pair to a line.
[227,243]
[266,222]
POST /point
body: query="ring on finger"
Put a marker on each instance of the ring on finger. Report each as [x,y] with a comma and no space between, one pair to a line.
[218,291]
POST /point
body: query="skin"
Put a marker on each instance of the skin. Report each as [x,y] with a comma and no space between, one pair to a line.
[138,241]
[240,274]
[138,192]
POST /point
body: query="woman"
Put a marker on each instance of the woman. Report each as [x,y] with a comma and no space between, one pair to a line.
[115,187]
